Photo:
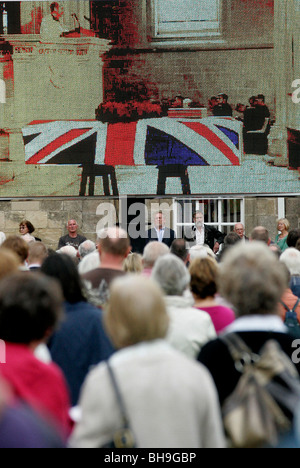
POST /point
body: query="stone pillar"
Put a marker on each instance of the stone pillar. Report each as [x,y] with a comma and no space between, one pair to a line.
[278,133]
[287,69]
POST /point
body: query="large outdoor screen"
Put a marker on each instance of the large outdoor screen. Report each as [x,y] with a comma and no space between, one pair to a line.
[65,130]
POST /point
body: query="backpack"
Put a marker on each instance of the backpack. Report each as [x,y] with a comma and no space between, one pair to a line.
[261,408]
[291,320]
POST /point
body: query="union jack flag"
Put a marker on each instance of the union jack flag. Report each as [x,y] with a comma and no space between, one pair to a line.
[157,141]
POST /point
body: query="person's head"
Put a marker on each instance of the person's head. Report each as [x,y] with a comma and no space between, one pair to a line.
[212,102]
[26,227]
[37,253]
[252,279]
[152,251]
[291,258]
[86,247]
[62,268]
[136,311]
[252,101]
[70,251]
[30,307]
[113,245]
[260,233]
[293,236]
[239,229]
[177,101]
[222,98]
[56,10]
[159,220]
[179,248]
[133,263]
[204,273]
[187,103]
[231,238]
[283,224]
[18,245]
[260,100]
[201,251]
[89,262]
[171,274]
[72,226]
[198,218]
[9,262]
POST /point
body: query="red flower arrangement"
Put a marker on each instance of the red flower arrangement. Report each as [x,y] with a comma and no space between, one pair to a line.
[112,111]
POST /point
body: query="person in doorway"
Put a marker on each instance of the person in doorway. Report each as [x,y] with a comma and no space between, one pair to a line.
[159,232]
[201,234]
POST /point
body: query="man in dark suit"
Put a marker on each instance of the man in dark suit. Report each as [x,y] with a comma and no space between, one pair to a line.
[222,108]
[159,232]
[201,234]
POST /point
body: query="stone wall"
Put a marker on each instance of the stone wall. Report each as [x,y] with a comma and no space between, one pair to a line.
[241,65]
[264,212]
[49,217]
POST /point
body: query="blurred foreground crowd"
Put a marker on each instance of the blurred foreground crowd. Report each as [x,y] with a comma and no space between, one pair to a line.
[158,318]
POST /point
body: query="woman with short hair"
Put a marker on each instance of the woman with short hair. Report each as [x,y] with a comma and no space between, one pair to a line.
[204,275]
[169,398]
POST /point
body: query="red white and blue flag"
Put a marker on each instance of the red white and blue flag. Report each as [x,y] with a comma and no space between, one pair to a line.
[157,141]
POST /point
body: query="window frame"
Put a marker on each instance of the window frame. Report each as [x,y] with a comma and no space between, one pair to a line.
[200,30]
[220,222]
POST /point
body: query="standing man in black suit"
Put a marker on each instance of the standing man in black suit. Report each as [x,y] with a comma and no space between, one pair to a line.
[201,234]
[159,232]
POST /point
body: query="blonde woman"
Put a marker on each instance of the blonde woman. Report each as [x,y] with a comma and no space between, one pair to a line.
[283,227]
[170,399]
[133,263]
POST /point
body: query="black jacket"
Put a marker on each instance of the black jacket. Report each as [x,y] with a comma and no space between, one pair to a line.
[211,236]
[169,236]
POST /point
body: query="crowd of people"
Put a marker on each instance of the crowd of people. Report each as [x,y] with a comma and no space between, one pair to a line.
[255,116]
[158,318]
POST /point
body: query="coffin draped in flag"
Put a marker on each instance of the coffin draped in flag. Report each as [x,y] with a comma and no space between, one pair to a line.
[162,141]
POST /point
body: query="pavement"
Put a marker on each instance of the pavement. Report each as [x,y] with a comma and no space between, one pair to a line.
[255,176]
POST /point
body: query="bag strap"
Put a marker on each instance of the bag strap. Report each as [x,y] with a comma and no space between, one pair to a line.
[288,309]
[296,304]
[240,352]
[118,395]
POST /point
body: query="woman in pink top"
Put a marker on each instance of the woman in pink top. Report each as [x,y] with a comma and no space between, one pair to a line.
[203,285]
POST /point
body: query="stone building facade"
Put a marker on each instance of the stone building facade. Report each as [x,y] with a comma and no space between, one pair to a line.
[49,216]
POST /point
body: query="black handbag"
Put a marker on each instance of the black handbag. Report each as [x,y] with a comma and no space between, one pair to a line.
[123,437]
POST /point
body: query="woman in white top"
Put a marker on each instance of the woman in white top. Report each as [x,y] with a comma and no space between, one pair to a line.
[170,399]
